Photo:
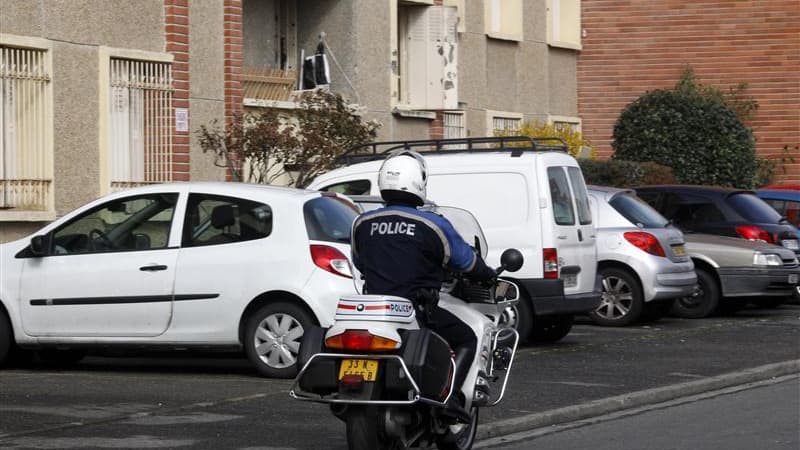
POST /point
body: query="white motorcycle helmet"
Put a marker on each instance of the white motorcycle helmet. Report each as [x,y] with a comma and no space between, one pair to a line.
[403,177]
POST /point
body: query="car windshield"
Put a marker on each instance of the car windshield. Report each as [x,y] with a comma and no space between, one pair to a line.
[637,211]
[329,219]
[753,208]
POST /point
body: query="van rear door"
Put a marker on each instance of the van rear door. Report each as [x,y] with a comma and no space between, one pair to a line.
[573,229]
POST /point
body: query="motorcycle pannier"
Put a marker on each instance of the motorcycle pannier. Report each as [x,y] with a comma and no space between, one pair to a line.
[428,358]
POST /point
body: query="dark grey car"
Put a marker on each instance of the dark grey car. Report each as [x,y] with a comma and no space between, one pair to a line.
[732,271]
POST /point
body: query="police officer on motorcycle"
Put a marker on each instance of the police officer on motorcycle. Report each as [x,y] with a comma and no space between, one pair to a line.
[405,251]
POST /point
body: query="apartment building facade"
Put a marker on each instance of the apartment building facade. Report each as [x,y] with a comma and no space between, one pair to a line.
[103,95]
[633,47]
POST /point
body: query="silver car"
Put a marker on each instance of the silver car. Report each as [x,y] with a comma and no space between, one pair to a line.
[641,258]
[733,271]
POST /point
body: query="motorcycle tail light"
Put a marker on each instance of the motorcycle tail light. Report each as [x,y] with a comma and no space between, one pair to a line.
[550,258]
[754,233]
[332,260]
[360,340]
[645,241]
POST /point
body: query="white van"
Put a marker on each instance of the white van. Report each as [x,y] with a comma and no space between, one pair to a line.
[532,198]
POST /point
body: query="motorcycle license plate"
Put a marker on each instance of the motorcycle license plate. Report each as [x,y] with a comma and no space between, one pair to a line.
[367,368]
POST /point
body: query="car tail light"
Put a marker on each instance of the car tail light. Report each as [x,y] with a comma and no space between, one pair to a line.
[361,340]
[550,258]
[645,241]
[754,233]
[332,260]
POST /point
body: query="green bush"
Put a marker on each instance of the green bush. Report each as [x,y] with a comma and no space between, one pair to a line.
[624,174]
[693,129]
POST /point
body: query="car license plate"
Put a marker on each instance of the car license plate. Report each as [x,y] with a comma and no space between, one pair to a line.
[791,244]
[570,280]
[679,250]
[367,368]
[793,278]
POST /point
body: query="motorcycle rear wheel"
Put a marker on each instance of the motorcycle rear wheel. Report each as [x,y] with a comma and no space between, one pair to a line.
[365,431]
[460,436]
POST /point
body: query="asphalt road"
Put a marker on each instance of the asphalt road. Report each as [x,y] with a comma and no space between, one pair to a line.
[185,401]
[765,417]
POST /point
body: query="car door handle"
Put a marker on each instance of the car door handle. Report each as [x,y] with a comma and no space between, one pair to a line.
[153,268]
[562,236]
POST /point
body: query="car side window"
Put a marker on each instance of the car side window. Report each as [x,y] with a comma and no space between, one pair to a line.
[579,190]
[132,223]
[560,196]
[215,219]
[696,210]
[355,187]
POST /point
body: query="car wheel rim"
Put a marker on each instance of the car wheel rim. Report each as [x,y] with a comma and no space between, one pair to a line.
[510,317]
[694,300]
[277,340]
[617,299]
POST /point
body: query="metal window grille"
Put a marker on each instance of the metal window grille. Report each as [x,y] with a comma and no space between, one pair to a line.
[454,125]
[25,168]
[506,123]
[141,125]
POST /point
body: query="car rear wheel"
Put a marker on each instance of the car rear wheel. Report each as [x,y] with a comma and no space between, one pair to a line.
[272,338]
[703,302]
[621,302]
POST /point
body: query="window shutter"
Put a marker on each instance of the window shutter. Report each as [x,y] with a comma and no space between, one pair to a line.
[432,56]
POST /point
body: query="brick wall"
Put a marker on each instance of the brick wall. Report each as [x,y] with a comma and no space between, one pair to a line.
[176,22]
[234,59]
[630,47]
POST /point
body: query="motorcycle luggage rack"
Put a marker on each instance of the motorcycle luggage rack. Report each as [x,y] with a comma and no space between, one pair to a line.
[515,145]
[299,394]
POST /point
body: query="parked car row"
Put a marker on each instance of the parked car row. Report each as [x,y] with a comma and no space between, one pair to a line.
[248,267]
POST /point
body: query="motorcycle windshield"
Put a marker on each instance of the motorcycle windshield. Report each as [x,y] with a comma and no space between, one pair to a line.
[466,225]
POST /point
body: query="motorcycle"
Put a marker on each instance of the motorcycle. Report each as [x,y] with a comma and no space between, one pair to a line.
[390,379]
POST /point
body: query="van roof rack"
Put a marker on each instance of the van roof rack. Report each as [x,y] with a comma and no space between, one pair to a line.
[516,145]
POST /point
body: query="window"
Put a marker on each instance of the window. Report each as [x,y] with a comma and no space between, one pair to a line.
[502,122]
[637,211]
[355,187]
[26,138]
[564,23]
[504,19]
[214,219]
[688,210]
[753,208]
[132,223]
[329,219]
[426,61]
[453,125]
[560,196]
[140,122]
[581,199]
[271,55]
[789,208]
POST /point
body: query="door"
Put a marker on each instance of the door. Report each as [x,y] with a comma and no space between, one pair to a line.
[108,272]
[574,231]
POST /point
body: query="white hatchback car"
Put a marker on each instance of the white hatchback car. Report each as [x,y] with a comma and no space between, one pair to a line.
[643,261]
[222,265]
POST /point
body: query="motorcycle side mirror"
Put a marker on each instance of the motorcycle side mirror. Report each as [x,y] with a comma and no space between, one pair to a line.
[511,260]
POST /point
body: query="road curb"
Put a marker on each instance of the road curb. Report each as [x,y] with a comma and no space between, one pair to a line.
[634,399]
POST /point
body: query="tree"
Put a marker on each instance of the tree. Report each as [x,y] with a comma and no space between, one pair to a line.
[574,139]
[692,128]
[267,146]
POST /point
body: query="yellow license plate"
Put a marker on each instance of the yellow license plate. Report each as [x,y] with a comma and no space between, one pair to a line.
[367,368]
[679,250]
